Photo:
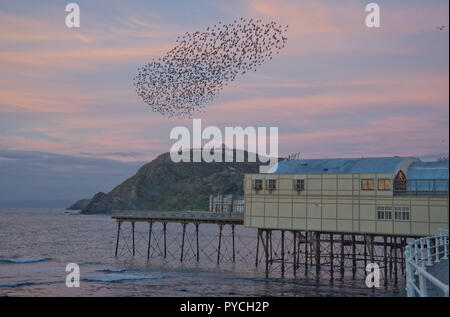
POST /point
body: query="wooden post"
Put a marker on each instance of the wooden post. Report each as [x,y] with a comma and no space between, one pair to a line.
[165,244]
[150,224]
[132,229]
[118,235]
[196,234]
[282,253]
[353,256]
[182,242]
[257,246]
[220,242]
[232,234]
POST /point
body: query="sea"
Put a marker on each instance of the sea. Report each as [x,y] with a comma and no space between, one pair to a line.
[36,245]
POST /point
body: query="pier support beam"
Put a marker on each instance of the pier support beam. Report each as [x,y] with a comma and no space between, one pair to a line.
[395,262]
[353,256]
[196,236]
[306,252]
[282,253]
[390,257]
[317,253]
[220,242]
[294,254]
[402,253]
[119,223]
[385,256]
[365,251]
[342,269]
[371,250]
[132,229]
[331,256]
[165,241]
[271,248]
[232,235]
[150,224]
[258,237]
[182,242]
[266,247]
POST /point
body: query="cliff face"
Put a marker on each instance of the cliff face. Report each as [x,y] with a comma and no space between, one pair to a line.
[165,185]
[80,204]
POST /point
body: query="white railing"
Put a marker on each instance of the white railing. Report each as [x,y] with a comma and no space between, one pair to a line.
[419,255]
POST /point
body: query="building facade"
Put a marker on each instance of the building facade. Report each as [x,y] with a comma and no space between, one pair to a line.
[226,203]
[389,195]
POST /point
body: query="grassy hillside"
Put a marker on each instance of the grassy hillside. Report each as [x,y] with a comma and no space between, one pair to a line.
[165,185]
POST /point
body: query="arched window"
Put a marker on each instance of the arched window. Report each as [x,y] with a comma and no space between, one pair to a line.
[400,181]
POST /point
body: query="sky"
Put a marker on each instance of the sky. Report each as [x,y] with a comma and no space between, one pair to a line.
[338,88]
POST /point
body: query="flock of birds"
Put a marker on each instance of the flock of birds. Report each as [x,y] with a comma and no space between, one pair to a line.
[202,63]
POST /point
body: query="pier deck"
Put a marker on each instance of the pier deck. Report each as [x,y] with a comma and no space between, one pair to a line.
[178,216]
[182,217]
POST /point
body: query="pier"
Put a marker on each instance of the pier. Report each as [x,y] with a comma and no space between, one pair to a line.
[280,252]
[184,218]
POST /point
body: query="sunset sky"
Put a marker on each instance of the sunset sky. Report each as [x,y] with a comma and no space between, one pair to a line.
[338,89]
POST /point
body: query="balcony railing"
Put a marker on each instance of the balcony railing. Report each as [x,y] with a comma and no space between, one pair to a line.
[421,187]
[419,255]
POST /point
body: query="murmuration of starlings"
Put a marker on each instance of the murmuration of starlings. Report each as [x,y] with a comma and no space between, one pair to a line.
[202,63]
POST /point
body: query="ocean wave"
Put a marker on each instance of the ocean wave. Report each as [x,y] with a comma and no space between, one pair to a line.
[108,271]
[25,283]
[23,261]
[117,278]
[18,284]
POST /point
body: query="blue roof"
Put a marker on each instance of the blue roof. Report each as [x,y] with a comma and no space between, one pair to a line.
[428,170]
[428,176]
[339,165]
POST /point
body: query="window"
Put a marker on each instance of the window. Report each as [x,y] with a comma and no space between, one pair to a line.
[299,184]
[271,184]
[257,184]
[384,184]
[401,213]
[367,184]
[400,182]
[384,212]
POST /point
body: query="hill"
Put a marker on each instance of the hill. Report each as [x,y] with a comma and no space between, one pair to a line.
[165,185]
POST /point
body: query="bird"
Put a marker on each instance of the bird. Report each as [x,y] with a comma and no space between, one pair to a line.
[196,70]
[440,28]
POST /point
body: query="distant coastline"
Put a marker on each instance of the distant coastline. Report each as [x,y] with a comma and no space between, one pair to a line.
[51,203]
